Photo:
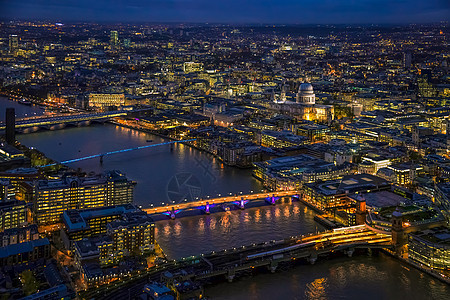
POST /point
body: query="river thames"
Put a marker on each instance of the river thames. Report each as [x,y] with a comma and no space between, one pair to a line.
[156,169]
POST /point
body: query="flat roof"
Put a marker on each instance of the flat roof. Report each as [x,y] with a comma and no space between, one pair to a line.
[383,198]
[351,183]
[437,235]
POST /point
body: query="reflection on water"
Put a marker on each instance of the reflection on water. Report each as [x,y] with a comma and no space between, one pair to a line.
[360,277]
[235,228]
[22,111]
[316,289]
[152,168]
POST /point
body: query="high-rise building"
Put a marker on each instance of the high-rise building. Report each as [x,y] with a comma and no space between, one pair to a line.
[407,59]
[114,38]
[10,126]
[53,197]
[126,43]
[13,43]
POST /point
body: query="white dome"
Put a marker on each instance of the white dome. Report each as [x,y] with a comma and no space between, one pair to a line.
[306,94]
[305,87]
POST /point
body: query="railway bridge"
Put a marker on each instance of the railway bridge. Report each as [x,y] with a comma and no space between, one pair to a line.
[229,263]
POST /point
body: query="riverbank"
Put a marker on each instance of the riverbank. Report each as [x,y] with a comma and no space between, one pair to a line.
[439,276]
[174,139]
[17,98]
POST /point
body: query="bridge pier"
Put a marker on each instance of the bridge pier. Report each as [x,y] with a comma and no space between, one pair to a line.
[350,252]
[172,214]
[207,208]
[273,266]
[272,200]
[312,258]
[242,203]
[230,275]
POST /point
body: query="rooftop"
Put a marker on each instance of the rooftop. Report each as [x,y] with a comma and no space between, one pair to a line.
[351,184]
[15,249]
[76,219]
[438,235]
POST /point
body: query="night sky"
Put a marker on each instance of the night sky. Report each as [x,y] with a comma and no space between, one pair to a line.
[230,11]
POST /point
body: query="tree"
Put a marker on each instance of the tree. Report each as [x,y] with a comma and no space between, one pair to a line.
[29,282]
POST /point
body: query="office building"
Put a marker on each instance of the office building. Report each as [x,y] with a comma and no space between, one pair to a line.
[442,198]
[430,247]
[407,59]
[114,38]
[7,190]
[53,197]
[105,101]
[119,190]
[335,193]
[405,172]
[84,223]
[190,66]
[372,162]
[56,292]
[13,43]
[281,139]
[13,214]
[289,173]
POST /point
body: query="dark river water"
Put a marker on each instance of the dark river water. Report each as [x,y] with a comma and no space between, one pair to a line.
[164,174]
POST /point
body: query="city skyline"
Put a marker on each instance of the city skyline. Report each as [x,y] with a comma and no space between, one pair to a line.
[148,154]
[239,12]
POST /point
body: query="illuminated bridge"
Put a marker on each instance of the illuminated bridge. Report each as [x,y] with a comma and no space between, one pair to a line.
[101,155]
[269,254]
[172,209]
[245,260]
[58,122]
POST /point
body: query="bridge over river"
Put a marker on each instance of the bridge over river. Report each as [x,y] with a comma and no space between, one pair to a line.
[229,263]
[56,122]
[172,209]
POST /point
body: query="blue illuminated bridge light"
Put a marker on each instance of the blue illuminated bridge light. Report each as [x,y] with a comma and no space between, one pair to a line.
[116,152]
